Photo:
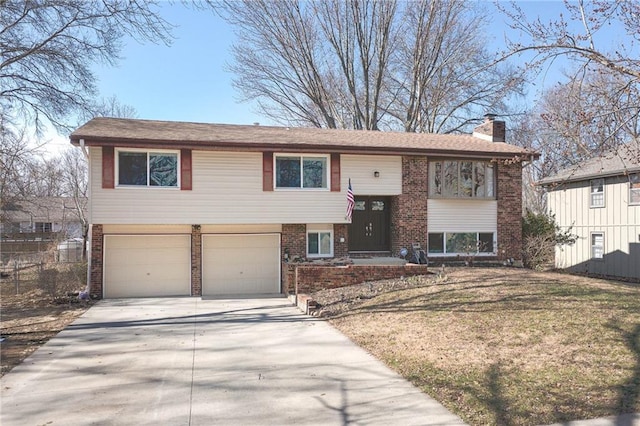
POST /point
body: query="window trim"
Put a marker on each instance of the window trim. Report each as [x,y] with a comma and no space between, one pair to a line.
[632,190]
[593,246]
[178,154]
[592,193]
[328,171]
[432,175]
[455,254]
[320,255]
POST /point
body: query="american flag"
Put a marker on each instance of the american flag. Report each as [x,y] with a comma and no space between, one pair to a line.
[350,202]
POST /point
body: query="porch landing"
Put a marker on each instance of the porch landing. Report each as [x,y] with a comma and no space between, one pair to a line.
[379,261]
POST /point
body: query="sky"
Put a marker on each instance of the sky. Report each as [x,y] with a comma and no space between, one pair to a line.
[187,81]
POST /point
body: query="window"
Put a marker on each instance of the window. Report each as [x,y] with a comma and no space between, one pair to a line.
[597,193]
[42,227]
[141,168]
[319,244]
[461,242]
[597,245]
[301,171]
[461,179]
[634,188]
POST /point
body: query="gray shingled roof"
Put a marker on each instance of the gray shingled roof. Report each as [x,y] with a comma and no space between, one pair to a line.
[43,209]
[123,132]
[624,160]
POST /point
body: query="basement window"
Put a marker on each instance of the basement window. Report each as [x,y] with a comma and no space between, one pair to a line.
[319,243]
[456,243]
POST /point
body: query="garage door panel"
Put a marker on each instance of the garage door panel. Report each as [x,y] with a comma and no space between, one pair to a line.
[241,264]
[147,265]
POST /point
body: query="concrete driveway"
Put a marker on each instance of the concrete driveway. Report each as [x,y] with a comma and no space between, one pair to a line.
[188,361]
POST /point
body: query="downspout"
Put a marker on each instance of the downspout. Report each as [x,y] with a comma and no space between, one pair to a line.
[84,149]
[86,294]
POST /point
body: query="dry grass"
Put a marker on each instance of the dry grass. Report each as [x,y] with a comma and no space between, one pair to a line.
[504,346]
[39,311]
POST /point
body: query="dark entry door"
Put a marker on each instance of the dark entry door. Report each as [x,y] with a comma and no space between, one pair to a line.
[369,229]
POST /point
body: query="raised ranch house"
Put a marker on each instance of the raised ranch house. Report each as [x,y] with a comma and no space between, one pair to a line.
[600,200]
[212,209]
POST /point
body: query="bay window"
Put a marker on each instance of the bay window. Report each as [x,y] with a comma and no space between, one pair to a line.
[461,179]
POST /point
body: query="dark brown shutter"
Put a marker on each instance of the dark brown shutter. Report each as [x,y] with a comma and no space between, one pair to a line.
[108,170]
[267,171]
[335,172]
[185,170]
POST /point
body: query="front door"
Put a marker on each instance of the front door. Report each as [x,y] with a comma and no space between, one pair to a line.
[369,229]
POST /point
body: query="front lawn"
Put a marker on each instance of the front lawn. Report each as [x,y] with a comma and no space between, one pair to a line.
[503,346]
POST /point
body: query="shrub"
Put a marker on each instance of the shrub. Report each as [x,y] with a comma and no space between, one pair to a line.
[63,281]
[540,236]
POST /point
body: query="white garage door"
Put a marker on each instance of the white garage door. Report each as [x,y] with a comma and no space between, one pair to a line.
[240,264]
[147,265]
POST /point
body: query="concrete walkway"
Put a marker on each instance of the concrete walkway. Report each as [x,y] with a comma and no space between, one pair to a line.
[188,361]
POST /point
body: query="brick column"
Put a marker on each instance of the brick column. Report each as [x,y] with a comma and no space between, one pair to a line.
[294,239]
[196,260]
[509,192]
[409,210]
[340,249]
[96,272]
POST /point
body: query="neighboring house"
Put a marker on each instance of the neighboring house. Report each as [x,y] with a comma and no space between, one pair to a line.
[600,200]
[208,209]
[31,224]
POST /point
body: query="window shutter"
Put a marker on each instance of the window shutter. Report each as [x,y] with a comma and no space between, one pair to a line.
[267,171]
[108,170]
[185,170]
[335,172]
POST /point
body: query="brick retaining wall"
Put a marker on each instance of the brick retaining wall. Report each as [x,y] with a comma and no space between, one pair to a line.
[300,278]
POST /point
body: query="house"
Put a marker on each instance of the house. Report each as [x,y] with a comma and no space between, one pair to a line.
[210,209]
[31,225]
[600,201]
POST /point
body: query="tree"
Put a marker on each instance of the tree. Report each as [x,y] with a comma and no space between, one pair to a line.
[47,48]
[598,108]
[573,122]
[366,65]
[577,38]
[444,77]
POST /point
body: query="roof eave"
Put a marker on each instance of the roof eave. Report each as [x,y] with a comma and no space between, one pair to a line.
[314,148]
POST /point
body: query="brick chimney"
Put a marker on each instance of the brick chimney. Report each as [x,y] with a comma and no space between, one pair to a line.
[491,130]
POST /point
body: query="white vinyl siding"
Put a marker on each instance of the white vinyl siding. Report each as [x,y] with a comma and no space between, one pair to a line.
[618,221]
[227,189]
[361,169]
[462,215]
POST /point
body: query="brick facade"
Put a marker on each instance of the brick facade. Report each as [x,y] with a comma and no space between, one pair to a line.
[509,193]
[409,210]
[196,261]
[95,274]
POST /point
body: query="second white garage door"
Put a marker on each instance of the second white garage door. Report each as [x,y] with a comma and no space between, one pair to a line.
[240,264]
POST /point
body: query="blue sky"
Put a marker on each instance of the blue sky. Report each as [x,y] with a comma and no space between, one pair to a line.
[187,81]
